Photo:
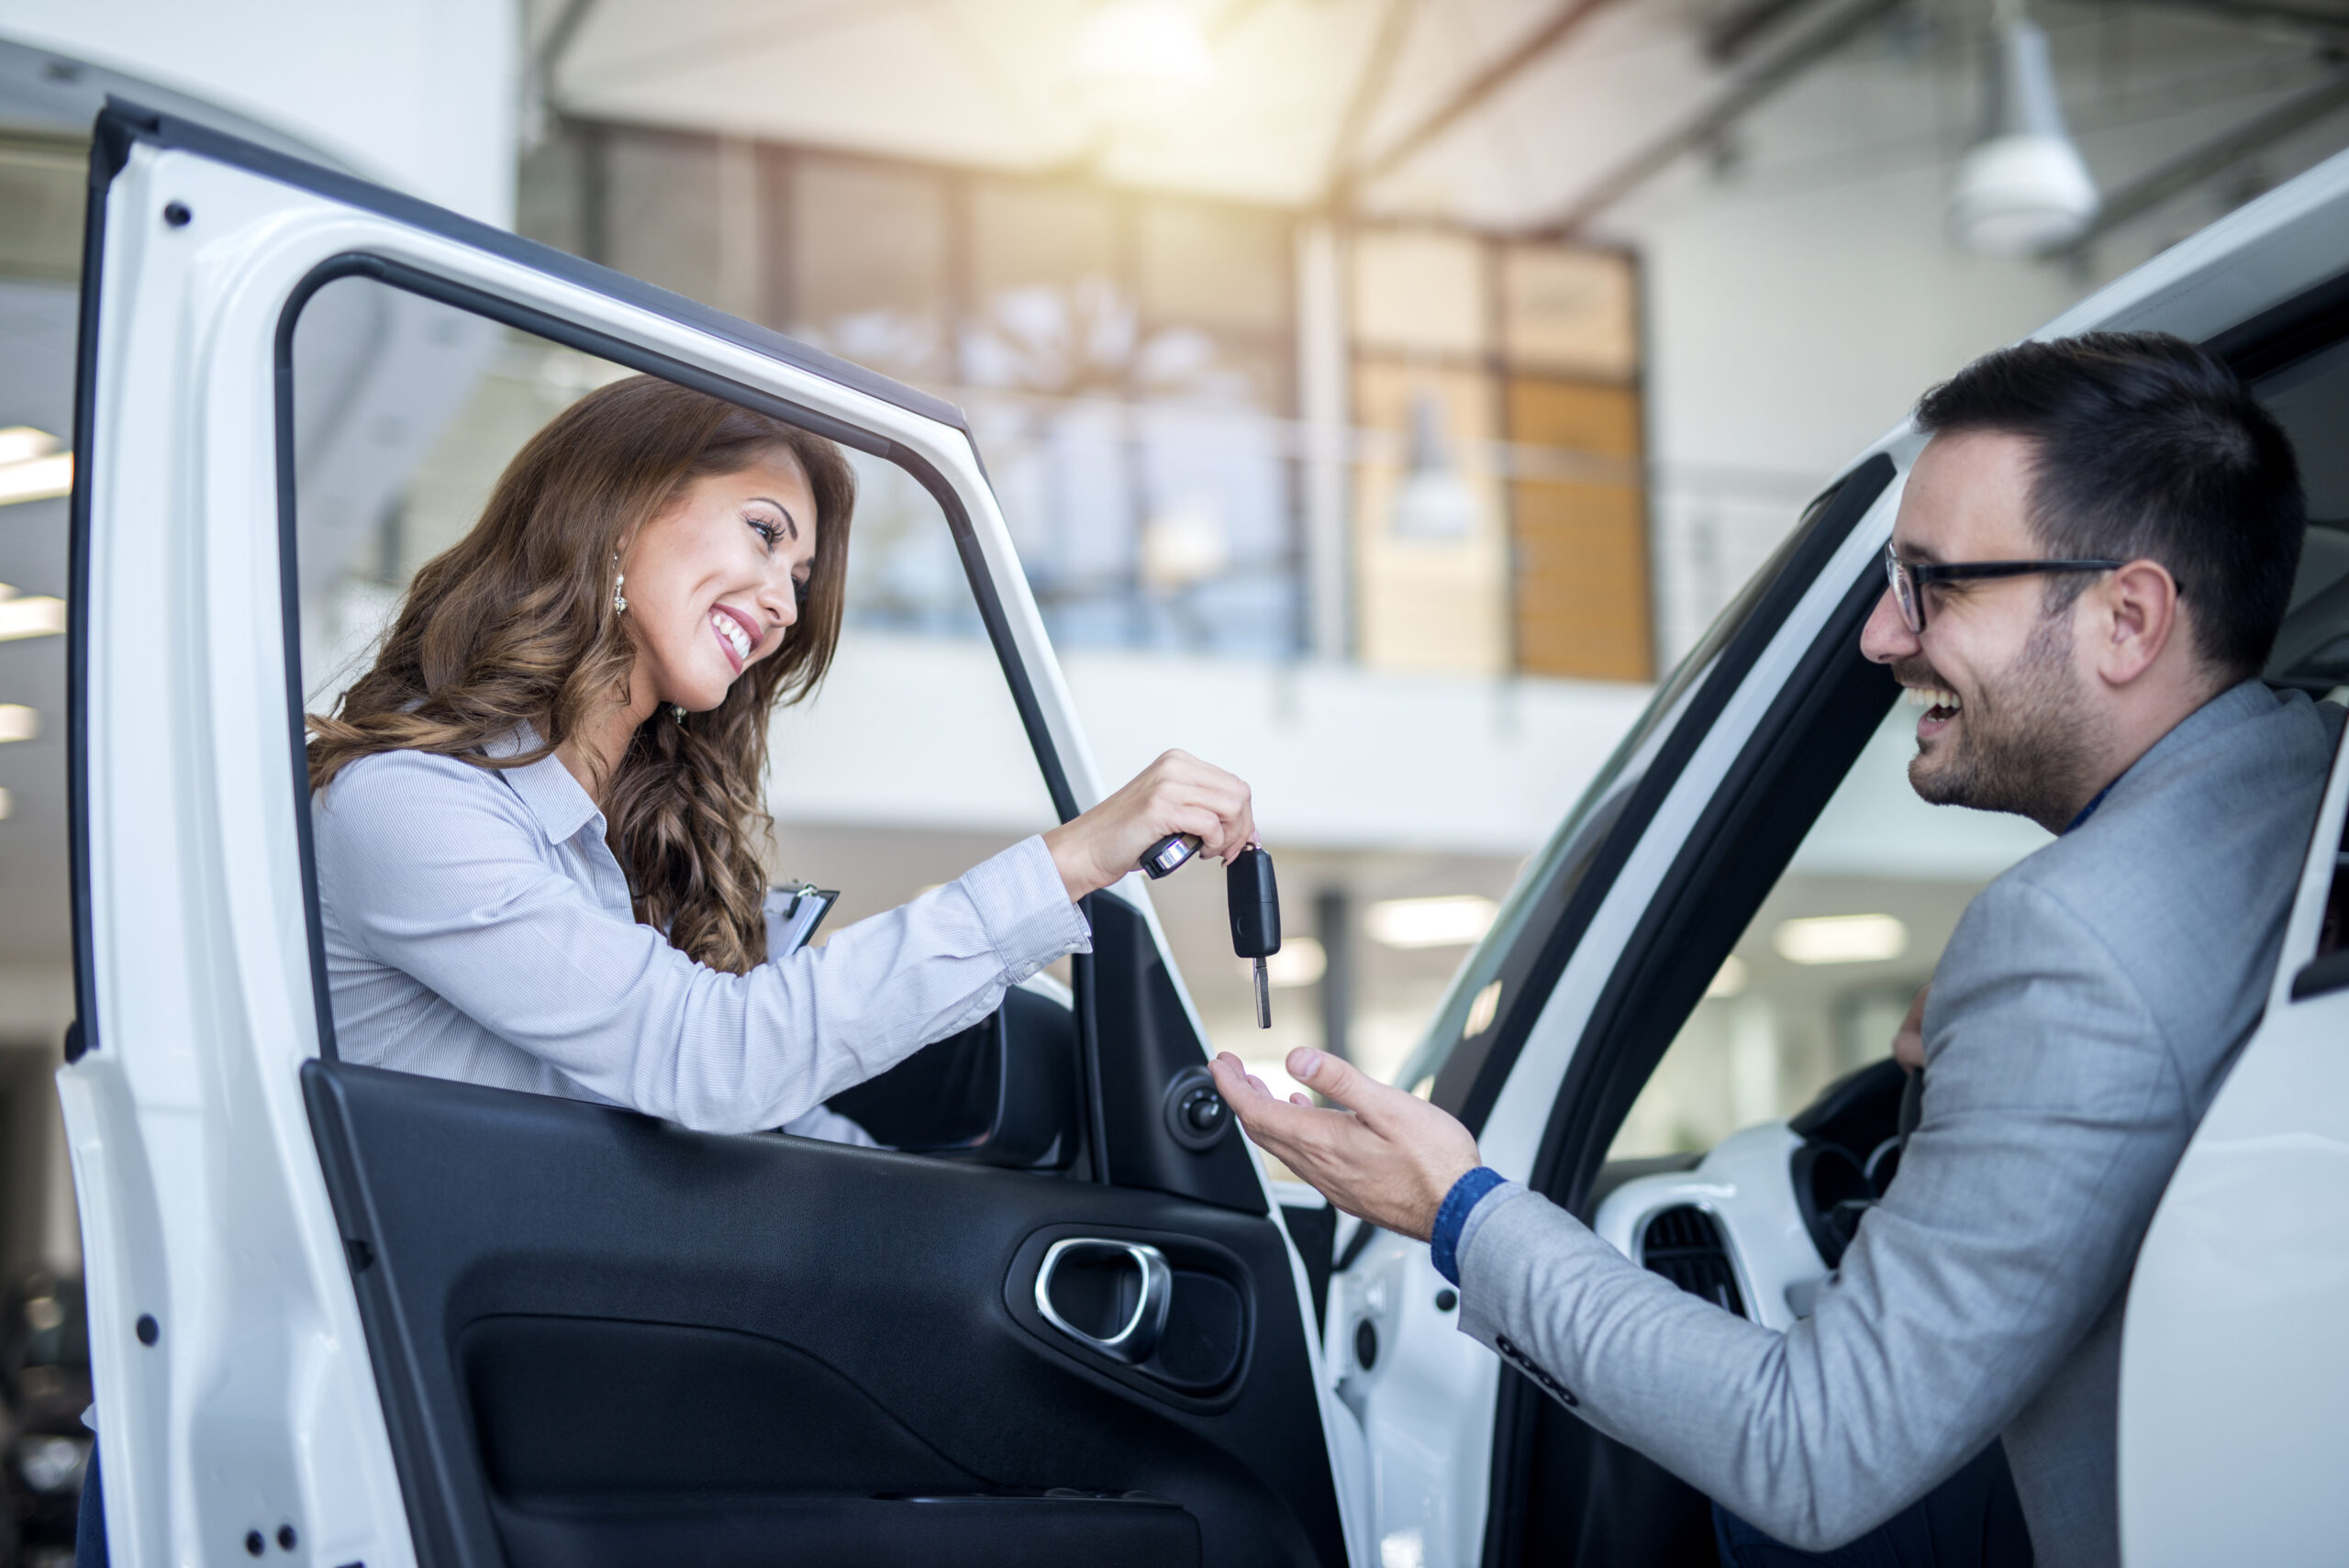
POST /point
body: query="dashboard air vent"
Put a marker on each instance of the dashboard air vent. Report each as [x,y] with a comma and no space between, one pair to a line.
[1683,1244]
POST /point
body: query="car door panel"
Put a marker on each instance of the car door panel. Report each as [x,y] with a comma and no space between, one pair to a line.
[1147,1052]
[589,1321]
[415,1321]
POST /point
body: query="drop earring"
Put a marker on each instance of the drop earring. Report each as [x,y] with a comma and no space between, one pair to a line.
[620,581]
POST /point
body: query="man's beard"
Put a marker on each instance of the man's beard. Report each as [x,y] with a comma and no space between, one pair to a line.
[2023,744]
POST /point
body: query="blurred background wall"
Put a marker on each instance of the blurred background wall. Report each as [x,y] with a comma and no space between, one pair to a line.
[1383,392]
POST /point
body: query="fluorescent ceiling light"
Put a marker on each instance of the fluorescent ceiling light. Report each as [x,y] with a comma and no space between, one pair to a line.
[1730,979]
[1842,939]
[1300,961]
[18,722]
[19,442]
[35,615]
[31,468]
[1452,922]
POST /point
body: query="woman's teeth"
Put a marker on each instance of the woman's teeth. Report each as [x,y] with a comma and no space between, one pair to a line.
[1931,696]
[731,630]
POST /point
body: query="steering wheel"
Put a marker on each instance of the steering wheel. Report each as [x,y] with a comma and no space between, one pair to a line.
[1850,1137]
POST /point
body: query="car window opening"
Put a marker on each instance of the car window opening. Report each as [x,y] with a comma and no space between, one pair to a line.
[406,410]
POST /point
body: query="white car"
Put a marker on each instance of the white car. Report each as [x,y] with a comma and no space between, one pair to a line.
[347,1316]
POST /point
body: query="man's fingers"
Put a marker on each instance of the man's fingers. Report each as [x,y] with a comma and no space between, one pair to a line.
[1340,1082]
[1242,1089]
[1293,1129]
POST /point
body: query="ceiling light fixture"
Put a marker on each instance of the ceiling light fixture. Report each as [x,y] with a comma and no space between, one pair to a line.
[2024,189]
[7,806]
[18,722]
[1433,502]
[1452,922]
[1842,939]
[33,614]
[1155,43]
[31,468]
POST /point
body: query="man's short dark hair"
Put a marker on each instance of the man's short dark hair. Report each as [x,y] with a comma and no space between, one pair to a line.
[2148,446]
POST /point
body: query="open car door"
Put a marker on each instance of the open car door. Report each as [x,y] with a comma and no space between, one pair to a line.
[2232,1361]
[358,1316]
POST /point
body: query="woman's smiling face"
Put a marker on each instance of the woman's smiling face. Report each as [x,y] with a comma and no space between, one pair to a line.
[714,580]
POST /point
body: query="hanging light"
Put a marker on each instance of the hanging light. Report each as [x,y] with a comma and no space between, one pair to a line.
[1433,501]
[2024,189]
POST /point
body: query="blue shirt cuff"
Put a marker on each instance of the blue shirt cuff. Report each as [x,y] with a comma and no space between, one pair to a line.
[1443,1247]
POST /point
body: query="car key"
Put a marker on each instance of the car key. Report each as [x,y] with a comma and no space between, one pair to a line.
[1167,856]
[1255,902]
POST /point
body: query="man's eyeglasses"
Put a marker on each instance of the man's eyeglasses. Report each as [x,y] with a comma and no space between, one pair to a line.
[1910,581]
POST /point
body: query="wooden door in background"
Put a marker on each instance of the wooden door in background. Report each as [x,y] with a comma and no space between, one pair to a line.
[1578,530]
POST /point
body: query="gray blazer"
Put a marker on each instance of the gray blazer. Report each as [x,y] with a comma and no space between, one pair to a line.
[2082,1019]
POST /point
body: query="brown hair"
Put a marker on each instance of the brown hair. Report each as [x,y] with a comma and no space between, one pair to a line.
[514,624]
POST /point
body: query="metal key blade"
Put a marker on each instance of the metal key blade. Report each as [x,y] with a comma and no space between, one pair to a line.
[1263,998]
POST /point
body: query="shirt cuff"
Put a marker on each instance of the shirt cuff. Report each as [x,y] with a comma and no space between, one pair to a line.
[1024,908]
[1451,1219]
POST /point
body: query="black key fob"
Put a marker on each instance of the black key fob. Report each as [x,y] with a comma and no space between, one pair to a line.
[1255,904]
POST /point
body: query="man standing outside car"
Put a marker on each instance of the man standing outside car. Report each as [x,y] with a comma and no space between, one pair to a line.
[2089,565]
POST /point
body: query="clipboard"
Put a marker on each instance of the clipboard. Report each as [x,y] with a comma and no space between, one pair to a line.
[793,914]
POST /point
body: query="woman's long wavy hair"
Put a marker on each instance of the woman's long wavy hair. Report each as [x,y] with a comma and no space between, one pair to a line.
[514,625]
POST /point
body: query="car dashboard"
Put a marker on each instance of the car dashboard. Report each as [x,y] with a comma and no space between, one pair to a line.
[1757,1225]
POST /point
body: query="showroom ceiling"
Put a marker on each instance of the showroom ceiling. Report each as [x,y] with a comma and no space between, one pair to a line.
[1280,101]
[1510,114]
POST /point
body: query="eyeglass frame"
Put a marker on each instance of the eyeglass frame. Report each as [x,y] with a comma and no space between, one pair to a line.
[1909,580]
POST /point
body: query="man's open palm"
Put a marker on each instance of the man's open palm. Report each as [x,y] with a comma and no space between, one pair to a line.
[1387,1156]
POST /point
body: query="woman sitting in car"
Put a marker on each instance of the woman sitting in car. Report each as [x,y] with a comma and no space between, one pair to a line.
[538,815]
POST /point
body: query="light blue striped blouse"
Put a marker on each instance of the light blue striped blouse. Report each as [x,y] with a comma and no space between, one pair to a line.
[478,927]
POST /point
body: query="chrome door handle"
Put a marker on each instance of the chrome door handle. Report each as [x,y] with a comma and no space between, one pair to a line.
[1103,1277]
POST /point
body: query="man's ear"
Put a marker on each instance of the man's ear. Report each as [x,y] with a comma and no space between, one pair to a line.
[2136,616]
